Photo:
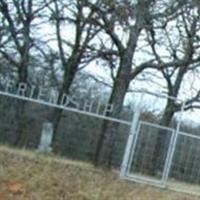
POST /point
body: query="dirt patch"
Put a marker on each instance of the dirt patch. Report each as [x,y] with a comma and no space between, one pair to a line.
[13,190]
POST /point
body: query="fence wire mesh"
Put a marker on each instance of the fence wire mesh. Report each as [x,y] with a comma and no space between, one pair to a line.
[77,134]
[165,153]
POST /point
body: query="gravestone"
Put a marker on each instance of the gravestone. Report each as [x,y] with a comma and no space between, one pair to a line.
[46,138]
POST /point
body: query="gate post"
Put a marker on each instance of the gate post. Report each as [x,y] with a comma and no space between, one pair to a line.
[172,148]
[129,145]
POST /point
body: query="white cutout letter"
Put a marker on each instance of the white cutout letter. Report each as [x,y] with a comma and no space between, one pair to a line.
[74,102]
[98,108]
[33,87]
[41,94]
[64,100]
[22,87]
[108,109]
[88,106]
[53,97]
[9,85]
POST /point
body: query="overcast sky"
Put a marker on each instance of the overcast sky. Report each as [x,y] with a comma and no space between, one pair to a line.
[158,85]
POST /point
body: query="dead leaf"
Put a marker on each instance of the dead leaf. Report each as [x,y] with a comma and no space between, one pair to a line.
[15,187]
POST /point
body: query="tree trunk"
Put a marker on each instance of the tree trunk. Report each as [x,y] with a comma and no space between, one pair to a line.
[107,137]
[21,139]
[69,76]
[162,140]
[70,66]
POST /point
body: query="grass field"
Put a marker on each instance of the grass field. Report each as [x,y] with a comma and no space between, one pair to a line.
[28,176]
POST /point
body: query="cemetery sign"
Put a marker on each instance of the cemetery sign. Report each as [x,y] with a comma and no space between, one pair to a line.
[53,98]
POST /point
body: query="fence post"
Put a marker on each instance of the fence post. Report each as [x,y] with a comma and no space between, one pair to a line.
[172,148]
[129,145]
[46,138]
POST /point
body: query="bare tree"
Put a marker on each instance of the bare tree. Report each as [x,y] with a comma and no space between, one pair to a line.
[138,18]
[182,44]
[73,53]
[18,17]
[124,73]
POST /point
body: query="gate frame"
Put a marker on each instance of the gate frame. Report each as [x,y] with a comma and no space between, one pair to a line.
[131,145]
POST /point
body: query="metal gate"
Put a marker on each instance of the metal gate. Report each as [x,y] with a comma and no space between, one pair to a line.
[139,157]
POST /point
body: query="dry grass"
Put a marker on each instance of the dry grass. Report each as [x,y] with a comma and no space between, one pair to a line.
[27,176]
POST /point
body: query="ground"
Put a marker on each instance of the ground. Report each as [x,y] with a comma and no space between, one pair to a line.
[29,176]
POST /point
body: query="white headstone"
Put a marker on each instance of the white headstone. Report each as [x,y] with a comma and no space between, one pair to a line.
[46,138]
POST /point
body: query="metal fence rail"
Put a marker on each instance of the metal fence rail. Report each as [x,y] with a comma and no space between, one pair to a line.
[139,149]
[77,133]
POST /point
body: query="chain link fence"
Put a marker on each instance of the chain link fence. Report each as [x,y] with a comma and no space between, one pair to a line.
[164,156]
[22,123]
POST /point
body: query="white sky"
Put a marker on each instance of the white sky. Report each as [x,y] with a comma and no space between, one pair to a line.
[190,81]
